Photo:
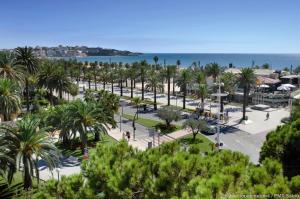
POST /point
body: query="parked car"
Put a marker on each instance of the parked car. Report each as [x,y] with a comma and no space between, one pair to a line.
[210,130]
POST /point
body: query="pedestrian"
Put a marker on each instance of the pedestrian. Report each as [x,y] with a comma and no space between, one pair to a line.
[128,135]
[123,135]
[268,116]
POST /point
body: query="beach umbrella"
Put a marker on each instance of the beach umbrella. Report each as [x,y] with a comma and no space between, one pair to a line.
[288,85]
[283,88]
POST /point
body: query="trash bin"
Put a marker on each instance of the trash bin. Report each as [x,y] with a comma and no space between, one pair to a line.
[149,145]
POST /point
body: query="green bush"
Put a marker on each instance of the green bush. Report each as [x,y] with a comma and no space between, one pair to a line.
[119,171]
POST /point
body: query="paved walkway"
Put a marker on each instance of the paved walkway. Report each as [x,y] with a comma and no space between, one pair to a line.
[141,143]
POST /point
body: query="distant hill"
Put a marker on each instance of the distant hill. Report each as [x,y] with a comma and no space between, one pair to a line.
[77,51]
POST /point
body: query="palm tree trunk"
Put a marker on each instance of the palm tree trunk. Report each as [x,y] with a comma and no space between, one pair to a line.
[173,85]
[104,85]
[112,87]
[27,177]
[95,80]
[126,84]
[169,84]
[244,103]
[51,96]
[27,94]
[133,83]
[184,95]
[143,81]
[121,87]
[155,105]
[89,84]
[97,135]
[60,93]
[131,88]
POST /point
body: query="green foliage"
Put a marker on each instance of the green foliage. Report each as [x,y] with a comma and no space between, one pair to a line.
[10,102]
[169,114]
[196,126]
[25,142]
[119,171]
[283,145]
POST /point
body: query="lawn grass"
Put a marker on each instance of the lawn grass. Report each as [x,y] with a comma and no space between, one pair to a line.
[201,141]
[149,123]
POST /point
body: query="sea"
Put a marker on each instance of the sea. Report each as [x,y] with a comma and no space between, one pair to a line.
[276,61]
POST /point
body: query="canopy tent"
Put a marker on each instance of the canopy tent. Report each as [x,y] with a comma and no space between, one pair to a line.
[263,86]
[283,88]
[288,85]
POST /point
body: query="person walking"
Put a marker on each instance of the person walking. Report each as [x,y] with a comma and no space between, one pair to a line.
[128,135]
[267,116]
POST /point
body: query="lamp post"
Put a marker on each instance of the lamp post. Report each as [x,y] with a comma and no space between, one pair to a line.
[219,95]
[133,126]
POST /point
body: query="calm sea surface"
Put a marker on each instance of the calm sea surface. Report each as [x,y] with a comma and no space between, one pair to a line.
[277,61]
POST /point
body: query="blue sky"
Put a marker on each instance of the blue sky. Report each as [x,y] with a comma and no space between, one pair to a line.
[182,26]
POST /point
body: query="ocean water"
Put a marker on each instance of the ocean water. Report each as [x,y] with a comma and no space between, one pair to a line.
[277,61]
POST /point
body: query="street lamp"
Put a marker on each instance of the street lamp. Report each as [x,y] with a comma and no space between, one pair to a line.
[219,95]
[133,125]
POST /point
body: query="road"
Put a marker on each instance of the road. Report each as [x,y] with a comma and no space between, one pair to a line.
[232,138]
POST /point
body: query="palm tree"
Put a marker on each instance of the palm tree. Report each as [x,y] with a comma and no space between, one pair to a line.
[230,81]
[104,74]
[155,59]
[143,71]
[89,77]
[168,73]
[247,79]
[30,142]
[154,83]
[83,115]
[183,81]
[60,81]
[121,75]
[45,76]
[201,80]
[94,72]
[25,56]
[213,70]
[174,70]
[10,102]
[132,75]
[10,69]
[137,101]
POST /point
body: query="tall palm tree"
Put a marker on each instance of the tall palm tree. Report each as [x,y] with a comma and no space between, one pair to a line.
[94,72]
[143,71]
[132,75]
[155,59]
[30,142]
[154,83]
[45,77]
[25,56]
[213,70]
[169,73]
[10,69]
[60,81]
[230,81]
[10,102]
[175,69]
[183,81]
[201,80]
[137,101]
[247,79]
[121,76]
